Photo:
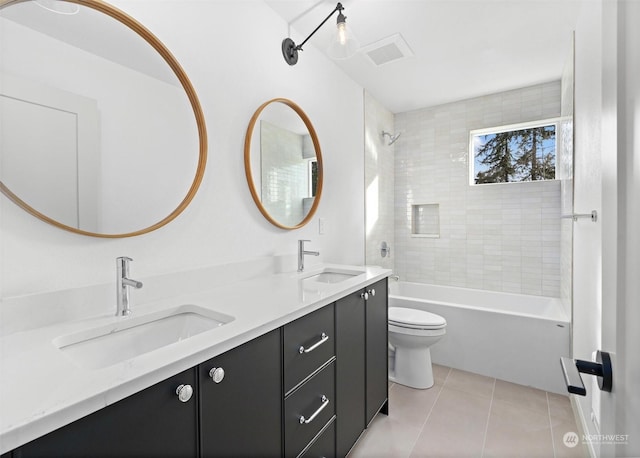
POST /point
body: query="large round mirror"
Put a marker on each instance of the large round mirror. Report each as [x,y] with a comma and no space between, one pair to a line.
[101,132]
[283,163]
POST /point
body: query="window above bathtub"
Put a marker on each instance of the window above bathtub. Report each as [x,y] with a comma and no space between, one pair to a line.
[513,154]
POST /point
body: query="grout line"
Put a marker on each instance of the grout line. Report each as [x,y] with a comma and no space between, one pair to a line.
[439,392]
[415,442]
[447,377]
[486,428]
[553,444]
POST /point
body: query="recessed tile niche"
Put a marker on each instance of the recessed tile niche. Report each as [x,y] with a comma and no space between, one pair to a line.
[425,220]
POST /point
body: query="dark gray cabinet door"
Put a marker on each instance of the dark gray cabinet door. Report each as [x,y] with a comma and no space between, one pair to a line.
[377,349]
[151,423]
[350,371]
[241,416]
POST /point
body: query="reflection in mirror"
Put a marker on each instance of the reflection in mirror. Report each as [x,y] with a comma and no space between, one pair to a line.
[283,164]
[98,129]
[287,167]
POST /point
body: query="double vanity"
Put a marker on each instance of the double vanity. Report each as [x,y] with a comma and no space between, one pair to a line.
[290,364]
[233,360]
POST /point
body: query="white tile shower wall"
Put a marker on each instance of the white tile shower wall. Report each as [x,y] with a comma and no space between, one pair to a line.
[501,237]
[379,179]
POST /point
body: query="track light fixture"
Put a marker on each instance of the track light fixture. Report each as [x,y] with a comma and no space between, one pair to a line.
[343,46]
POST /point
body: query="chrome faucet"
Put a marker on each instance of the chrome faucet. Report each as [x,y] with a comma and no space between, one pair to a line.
[302,252]
[123,282]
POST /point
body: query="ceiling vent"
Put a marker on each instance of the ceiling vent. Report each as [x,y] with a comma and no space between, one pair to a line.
[390,49]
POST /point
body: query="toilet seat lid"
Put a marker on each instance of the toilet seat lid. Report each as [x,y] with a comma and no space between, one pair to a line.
[407,317]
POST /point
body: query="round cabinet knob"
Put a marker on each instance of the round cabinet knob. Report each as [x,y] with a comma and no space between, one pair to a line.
[184,392]
[216,374]
[372,292]
[365,296]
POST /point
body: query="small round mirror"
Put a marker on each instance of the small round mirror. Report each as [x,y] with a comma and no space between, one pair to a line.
[283,163]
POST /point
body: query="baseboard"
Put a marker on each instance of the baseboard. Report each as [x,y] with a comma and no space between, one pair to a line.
[581,423]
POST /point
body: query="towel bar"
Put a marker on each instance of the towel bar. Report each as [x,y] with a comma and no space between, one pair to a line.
[576,216]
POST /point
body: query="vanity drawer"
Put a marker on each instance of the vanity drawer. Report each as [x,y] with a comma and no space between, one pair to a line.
[315,401]
[309,342]
[324,446]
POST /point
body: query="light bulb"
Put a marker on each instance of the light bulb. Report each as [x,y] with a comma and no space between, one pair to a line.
[342,33]
[344,44]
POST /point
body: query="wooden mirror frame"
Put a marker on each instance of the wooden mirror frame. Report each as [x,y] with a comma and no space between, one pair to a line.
[247,163]
[156,44]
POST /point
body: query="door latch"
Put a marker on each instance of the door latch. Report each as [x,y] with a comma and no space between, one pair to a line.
[601,368]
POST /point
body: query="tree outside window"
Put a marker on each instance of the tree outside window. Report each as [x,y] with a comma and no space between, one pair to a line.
[514,154]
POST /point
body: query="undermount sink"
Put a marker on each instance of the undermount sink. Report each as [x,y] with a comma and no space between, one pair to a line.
[330,275]
[133,336]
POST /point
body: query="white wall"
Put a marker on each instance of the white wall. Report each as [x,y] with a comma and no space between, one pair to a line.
[231,52]
[379,182]
[606,254]
[628,402]
[564,173]
[587,246]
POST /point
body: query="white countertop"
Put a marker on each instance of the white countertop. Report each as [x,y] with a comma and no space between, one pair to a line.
[42,389]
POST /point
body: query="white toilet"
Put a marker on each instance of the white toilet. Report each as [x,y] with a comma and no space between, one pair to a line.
[411,334]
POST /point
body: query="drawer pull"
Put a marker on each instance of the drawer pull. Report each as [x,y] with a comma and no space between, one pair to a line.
[306,421]
[323,339]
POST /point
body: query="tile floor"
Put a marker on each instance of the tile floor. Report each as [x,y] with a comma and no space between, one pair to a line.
[470,415]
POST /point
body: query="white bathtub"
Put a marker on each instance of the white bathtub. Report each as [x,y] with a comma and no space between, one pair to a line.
[511,337]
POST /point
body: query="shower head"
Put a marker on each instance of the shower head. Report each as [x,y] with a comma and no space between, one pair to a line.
[392,137]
